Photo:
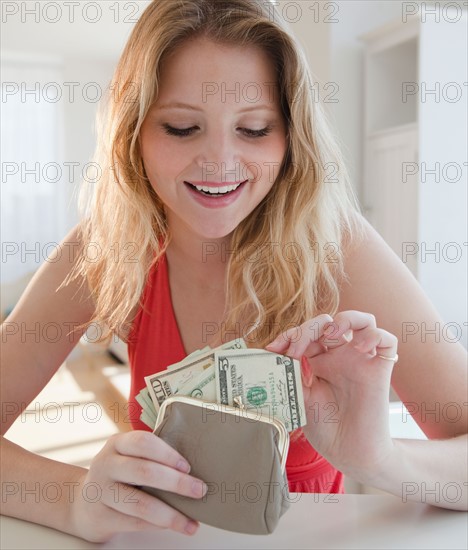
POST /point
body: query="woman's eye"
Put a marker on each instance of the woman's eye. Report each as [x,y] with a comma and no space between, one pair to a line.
[181,132]
[185,132]
[256,133]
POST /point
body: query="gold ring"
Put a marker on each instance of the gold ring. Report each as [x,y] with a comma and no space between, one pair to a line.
[393,359]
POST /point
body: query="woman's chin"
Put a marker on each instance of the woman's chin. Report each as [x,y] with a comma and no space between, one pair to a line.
[215,233]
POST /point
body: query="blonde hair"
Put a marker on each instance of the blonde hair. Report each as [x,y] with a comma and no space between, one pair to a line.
[310,208]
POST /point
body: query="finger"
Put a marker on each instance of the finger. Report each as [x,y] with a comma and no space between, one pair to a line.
[295,341]
[143,444]
[138,471]
[375,341]
[332,341]
[317,348]
[312,340]
[140,511]
[314,349]
[346,321]
[283,340]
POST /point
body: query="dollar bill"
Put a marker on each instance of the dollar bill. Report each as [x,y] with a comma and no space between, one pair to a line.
[190,356]
[164,384]
[144,400]
[147,419]
[202,386]
[267,382]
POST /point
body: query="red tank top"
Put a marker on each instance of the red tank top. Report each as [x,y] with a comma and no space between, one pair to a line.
[154,343]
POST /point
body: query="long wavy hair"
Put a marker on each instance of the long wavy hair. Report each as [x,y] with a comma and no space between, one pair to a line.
[286,261]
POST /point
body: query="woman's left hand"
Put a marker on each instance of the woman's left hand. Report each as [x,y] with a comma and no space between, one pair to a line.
[346,388]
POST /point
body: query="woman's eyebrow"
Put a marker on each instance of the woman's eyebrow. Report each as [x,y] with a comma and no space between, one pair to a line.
[178,105]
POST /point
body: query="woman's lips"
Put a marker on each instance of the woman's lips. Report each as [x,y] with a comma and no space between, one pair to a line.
[214,183]
[218,201]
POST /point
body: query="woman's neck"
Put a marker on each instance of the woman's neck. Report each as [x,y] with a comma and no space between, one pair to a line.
[200,262]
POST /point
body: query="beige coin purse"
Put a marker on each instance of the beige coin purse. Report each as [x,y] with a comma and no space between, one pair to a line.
[240,456]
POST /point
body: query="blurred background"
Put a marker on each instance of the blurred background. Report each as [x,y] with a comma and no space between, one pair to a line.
[392,77]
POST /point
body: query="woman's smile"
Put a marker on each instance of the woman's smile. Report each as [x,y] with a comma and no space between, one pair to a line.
[217,195]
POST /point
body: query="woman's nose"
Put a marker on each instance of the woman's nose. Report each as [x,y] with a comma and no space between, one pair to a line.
[218,157]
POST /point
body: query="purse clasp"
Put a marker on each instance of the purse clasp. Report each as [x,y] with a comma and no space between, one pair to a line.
[238,402]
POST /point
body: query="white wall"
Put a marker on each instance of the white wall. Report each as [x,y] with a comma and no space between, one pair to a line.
[346,70]
[443,194]
[313,31]
[87,44]
[71,31]
[79,119]
[82,52]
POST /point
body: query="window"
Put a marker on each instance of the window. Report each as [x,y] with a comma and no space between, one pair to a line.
[33,184]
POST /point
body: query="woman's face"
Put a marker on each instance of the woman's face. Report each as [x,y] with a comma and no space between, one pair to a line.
[217,123]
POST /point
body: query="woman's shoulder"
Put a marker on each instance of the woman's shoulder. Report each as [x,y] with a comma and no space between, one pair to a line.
[358,231]
[372,268]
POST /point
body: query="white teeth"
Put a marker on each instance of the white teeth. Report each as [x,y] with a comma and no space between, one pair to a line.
[218,190]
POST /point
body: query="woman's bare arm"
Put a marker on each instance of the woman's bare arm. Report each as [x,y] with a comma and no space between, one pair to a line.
[431,373]
[35,336]
[35,342]
[51,493]
[430,377]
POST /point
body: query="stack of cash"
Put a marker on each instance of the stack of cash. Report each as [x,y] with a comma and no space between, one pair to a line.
[268,383]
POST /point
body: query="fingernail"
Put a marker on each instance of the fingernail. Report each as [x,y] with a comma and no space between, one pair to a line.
[191,527]
[291,350]
[272,344]
[183,466]
[199,488]
[348,336]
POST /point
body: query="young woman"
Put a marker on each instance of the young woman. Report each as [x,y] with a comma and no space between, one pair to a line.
[225,210]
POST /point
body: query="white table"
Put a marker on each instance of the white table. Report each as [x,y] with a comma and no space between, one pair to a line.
[313,521]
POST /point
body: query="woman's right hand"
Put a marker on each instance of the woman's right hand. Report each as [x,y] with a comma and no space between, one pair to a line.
[105,503]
